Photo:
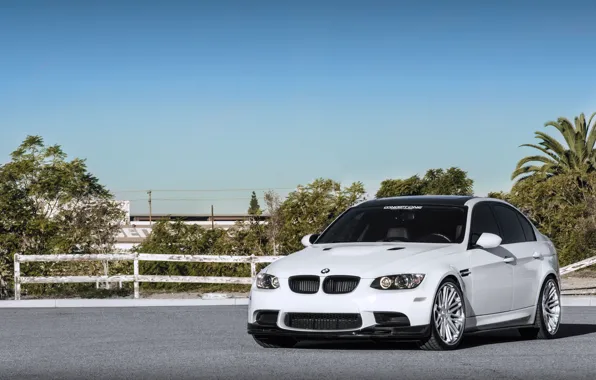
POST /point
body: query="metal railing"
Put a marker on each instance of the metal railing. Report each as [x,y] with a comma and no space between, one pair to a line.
[136,278]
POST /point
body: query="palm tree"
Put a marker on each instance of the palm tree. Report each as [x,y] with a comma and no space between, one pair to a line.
[578,157]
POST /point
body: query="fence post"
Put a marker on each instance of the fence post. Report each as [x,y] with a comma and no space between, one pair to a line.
[17,277]
[106,271]
[136,274]
[253,267]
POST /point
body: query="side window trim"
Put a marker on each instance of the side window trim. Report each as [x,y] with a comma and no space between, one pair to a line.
[473,213]
[472,216]
[527,220]
[492,211]
[522,218]
[506,206]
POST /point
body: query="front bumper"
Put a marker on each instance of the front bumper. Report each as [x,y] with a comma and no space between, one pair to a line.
[408,333]
[367,312]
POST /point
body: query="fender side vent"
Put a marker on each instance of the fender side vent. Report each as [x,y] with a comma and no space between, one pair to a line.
[396,248]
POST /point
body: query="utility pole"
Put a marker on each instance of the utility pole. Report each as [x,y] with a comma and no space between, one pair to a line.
[212,219]
[150,222]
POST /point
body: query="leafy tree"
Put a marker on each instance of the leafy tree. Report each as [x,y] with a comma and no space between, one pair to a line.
[51,205]
[579,156]
[177,238]
[257,236]
[251,235]
[310,208]
[499,195]
[400,187]
[254,208]
[275,222]
[562,208]
[16,221]
[452,181]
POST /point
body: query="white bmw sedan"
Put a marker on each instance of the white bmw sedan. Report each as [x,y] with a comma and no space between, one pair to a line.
[419,268]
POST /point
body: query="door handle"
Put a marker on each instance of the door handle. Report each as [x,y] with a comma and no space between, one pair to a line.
[508,259]
[537,255]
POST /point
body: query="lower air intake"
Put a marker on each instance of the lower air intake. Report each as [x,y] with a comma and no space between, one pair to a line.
[311,321]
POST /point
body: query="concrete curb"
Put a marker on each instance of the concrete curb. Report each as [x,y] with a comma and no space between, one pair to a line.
[587,300]
[65,303]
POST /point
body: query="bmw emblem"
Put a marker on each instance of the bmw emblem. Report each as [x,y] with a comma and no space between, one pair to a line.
[326,270]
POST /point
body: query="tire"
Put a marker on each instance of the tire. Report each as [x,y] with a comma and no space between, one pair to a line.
[435,342]
[275,341]
[539,329]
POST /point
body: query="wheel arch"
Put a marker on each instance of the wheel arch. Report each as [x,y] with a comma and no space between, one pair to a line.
[433,341]
[546,275]
[550,274]
[441,274]
[437,278]
[454,277]
[452,274]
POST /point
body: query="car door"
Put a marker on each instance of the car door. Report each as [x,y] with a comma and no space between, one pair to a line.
[492,277]
[522,244]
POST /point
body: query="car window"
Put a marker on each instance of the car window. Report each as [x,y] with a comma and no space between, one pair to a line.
[527,227]
[483,220]
[398,223]
[509,224]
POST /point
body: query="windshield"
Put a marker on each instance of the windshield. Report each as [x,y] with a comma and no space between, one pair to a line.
[398,223]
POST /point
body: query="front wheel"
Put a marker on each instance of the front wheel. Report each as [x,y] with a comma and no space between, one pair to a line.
[548,313]
[448,318]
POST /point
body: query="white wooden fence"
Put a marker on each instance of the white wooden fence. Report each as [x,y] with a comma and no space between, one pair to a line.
[577,266]
[135,278]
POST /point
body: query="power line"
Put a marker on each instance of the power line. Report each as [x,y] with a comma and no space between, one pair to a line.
[204,190]
[188,199]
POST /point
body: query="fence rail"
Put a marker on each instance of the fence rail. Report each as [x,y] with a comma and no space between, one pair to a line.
[136,278]
[577,266]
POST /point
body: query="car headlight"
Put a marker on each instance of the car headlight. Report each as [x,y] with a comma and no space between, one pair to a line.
[267,281]
[398,281]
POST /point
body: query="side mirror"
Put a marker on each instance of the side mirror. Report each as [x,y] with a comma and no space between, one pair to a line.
[488,240]
[308,240]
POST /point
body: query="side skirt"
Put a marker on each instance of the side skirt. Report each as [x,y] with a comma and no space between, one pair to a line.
[501,321]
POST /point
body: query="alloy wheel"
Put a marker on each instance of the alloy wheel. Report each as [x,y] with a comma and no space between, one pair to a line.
[551,307]
[449,314]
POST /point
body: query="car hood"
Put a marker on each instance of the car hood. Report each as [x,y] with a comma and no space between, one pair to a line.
[359,259]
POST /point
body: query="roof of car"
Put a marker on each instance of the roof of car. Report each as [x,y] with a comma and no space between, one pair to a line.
[422,200]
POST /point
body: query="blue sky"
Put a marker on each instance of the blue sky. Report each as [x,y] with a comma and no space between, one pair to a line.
[263,94]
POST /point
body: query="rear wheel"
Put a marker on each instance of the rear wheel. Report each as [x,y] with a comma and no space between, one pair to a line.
[548,313]
[448,318]
[275,341]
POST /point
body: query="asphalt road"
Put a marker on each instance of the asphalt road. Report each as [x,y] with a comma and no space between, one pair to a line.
[211,343]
